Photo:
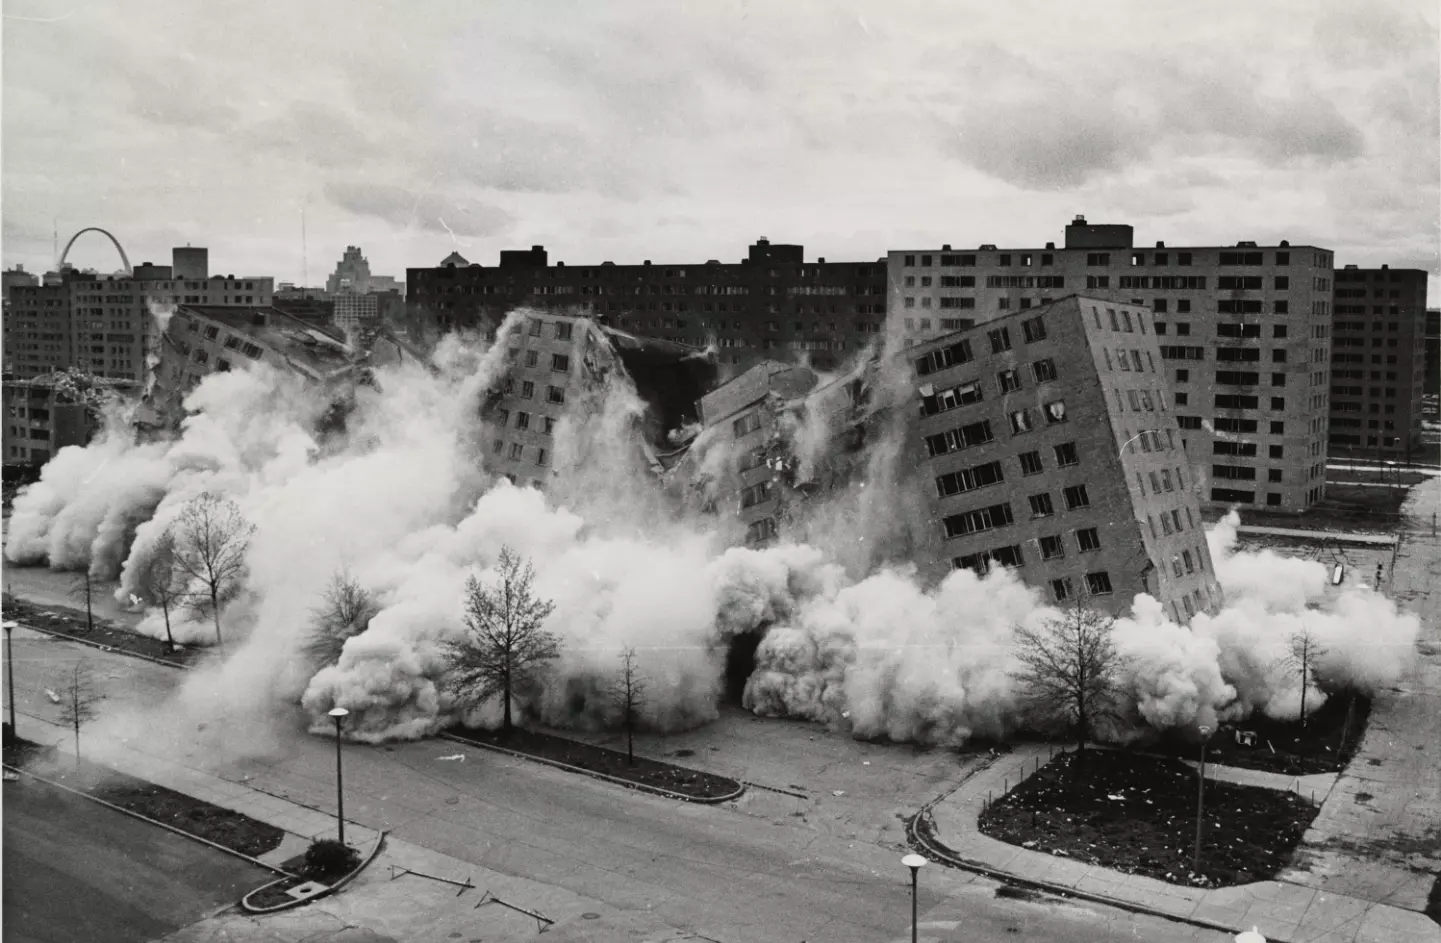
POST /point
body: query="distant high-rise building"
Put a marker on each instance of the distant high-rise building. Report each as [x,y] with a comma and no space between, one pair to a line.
[1378,363]
[18,276]
[1244,330]
[104,325]
[771,305]
[352,274]
[190,262]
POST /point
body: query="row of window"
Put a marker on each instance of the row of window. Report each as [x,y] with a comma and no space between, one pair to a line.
[522,421]
[560,363]
[553,394]
[517,452]
[984,519]
[964,394]
[1103,258]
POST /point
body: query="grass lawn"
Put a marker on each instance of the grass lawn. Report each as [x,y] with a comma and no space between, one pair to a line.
[224,827]
[1287,747]
[72,622]
[1138,815]
[687,782]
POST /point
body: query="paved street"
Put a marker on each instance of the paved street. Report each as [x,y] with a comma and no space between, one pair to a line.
[770,867]
[75,870]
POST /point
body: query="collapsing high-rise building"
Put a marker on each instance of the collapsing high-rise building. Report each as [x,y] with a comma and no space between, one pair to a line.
[1043,440]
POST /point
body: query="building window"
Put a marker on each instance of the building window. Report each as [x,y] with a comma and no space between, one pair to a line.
[1099,583]
[522,420]
[982,519]
[1041,505]
[1044,370]
[535,328]
[1030,463]
[1076,497]
[969,479]
[1010,381]
[560,362]
[1000,339]
[1088,540]
[563,331]
[756,494]
[1066,454]
[1061,588]
[746,424]
[1055,411]
[1034,330]
[1052,547]
[761,530]
[549,425]
[516,450]
[555,394]
[540,456]
[1020,421]
[532,357]
[527,390]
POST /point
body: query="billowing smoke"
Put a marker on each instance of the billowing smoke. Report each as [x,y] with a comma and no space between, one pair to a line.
[849,635]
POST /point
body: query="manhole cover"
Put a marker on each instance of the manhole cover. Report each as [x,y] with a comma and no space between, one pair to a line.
[590,916]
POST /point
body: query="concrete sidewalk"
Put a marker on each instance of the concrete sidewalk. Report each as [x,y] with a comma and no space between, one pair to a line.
[383,904]
[1330,536]
[1379,836]
[1283,911]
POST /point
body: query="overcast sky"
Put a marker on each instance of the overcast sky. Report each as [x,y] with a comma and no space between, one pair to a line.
[682,132]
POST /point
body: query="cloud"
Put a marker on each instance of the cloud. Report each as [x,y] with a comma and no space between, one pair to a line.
[432,212]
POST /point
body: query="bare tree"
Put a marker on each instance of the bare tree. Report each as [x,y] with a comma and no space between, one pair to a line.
[345,611]
[629,694]
[79,701]
[162,582]
[505,645]
[82,588]
[211,538]
[1071,669]
[1303,652]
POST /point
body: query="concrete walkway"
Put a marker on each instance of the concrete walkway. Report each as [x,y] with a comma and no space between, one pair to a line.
[1330,536]
[1282,911]
[1379,836]
[383,905]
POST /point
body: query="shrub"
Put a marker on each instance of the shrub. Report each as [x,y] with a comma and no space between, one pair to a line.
[326,859]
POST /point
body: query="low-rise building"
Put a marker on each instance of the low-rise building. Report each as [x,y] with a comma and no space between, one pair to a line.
[45,414]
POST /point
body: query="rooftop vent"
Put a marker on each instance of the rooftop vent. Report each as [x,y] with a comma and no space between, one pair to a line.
[1285,242]
[1160,245]
[946,247]
[1245,245]
[1050,245]
[1348,268]
[988,246]
[1078,221]
[647,261]
[823,258]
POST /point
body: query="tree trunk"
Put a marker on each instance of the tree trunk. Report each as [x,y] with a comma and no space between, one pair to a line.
[1303,684]
[169,638]
[215,612]
[89,617]
[77,744]
[505,721]
[629,737]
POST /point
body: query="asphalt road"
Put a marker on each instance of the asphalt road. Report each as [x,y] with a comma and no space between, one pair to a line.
[767,868]
[75,870]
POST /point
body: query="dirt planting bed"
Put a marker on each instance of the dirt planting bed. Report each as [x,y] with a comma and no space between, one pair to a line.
[1287,747]
[224,827]
[72,622]
[688,782]
[1138,815]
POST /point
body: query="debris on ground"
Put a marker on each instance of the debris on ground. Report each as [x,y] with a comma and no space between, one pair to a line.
[454,756]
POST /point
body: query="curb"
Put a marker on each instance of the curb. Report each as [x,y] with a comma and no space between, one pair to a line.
[145,818]
[642,787]
[100,645]
[332,889]
[948,857]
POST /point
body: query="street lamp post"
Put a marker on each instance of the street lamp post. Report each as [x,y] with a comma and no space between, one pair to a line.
[10,673]
[1200,798]
[915,863]
[339,714]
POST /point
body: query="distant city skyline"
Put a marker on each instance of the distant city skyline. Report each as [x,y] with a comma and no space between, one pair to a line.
[627,130]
